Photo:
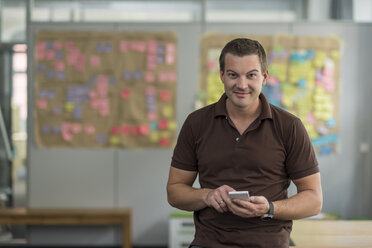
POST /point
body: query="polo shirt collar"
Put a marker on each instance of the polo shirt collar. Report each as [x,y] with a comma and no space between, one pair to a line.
[220,109]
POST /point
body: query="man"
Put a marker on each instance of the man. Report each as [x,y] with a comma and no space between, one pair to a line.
[244,143]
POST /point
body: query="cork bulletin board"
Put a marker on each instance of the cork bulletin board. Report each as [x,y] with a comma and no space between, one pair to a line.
[105,89]
[304,79]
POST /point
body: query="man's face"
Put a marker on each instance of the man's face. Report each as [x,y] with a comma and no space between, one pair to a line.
[243,80]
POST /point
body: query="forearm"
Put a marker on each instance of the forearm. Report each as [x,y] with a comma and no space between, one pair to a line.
[186,197]
[304,204]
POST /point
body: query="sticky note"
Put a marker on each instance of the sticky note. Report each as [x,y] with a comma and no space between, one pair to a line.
[154,136]
[152,115]
[76,128]
[123,46]
[165,95]
[69,106]
[89,129]
[164,142]
[149,77]
[167,111]
[60,66]
[114,140]
[144,129]
[125,94]
[46,129]
[101,138]
[126,129]
[172,125]
[115,130]
[42,103]
[95,61]
[163,124]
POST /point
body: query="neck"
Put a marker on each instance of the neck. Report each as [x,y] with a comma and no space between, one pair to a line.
[244,113]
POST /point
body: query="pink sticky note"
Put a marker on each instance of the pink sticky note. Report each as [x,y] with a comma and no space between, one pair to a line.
[124,46]
[125,94]
[92,94]
[172,76]
[89,129]
[169,59]
[152,115]
[94,103]
[60,66]
[151,46]
[115,130]
[151,66]
[57,45]
[40,46]
[76,128]
[69,44]
[149,77]
[71,59]
[79,67]
[65,130]
[310,118]
[126,129]
[164,142]
[42,103]
[144,129]
[136,130]
[163,124]
[95,61]
[50,54]
[40,54]
[170,48]
[211,64]
[150,90]
[273,81]
[164,95]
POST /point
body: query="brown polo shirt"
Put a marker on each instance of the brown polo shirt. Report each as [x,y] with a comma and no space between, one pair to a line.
[274,149]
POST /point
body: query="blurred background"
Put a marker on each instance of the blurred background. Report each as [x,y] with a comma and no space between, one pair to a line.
[35,177]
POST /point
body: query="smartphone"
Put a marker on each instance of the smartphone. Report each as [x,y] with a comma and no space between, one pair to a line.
[243,195]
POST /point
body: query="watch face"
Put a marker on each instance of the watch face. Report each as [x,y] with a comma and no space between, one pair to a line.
[266,217]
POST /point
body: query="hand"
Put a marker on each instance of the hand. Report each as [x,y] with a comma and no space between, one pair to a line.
[219,198]
[256,206]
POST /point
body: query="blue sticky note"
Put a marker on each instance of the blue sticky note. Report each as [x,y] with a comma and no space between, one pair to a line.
[127,75]
[41,67]
[57,129]
[78,112]
[51,94]
[49,45]
[57,110]
[60,75]
[138,74]
[154,125]
[58,55]
[46,129]
[160,49]
[160,59]
[93,80]
[101,138]
[310,54]
[112,80]
[50,74]
[326,150]
[302,83]
[331,123]
[43,94]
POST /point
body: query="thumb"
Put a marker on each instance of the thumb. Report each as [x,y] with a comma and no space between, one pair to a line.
[257,199]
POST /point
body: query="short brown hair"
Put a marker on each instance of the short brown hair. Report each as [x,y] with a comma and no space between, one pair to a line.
[241,47]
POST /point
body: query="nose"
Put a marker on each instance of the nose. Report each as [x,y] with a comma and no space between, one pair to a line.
[242,83]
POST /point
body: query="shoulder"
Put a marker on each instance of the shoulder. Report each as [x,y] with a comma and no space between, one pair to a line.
[201,115]
[283,118]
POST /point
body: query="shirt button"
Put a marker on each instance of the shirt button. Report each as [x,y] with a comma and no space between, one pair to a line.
[237,139]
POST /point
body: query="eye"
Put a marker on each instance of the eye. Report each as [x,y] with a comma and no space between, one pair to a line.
[231,75]
[251,75]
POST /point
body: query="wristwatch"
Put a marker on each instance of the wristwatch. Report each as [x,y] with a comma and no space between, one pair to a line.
[270,214]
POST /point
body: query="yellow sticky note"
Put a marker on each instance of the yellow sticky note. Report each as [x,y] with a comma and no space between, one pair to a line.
[172,125]
[319,58]
[167,111]
[69,106]
[165,134]
[335,54]
[154,136]
[114,140]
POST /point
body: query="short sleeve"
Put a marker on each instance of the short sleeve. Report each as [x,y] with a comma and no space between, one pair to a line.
[301,159]
[184,155]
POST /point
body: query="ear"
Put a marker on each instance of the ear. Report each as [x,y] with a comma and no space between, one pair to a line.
[266,77]
[221,75]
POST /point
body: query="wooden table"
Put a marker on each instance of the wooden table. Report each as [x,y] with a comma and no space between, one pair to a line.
[332,233]
[23,216]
